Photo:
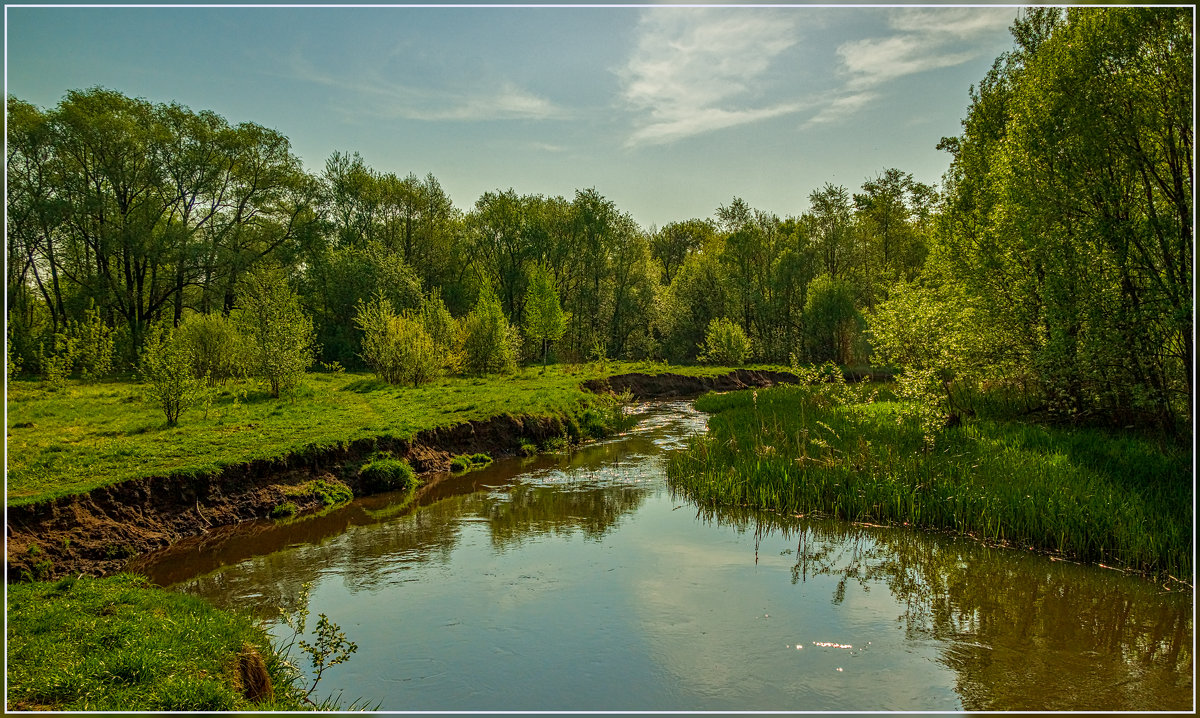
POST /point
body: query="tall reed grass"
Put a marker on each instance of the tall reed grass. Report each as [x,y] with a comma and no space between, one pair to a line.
[1092,495]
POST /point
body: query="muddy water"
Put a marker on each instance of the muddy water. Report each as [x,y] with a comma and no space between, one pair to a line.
[580,583]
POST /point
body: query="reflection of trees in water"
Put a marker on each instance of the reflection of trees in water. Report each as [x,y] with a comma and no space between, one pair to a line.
[528,510]
[369,557]
[1020,631]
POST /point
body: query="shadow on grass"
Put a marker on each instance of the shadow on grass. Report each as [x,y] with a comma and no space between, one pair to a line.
[365,386]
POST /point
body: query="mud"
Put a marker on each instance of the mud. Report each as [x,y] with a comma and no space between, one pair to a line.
[98,532]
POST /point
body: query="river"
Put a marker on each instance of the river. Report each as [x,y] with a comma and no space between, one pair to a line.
[579,582]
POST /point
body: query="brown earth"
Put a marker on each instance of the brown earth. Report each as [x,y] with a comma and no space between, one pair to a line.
[98,532]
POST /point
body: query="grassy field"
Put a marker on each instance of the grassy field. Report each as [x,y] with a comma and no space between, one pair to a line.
[120,644]
[89,435]
[1099,496]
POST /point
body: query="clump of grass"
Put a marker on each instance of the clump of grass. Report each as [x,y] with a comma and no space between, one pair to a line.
[527,448]
[119,644]
[1086,493]
[329,490]
[387,474]
[479,460]
[286,510]
[460,464]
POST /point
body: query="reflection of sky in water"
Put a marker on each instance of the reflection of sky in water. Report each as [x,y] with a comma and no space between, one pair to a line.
[577,582]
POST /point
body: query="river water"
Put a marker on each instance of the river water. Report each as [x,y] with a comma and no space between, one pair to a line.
[579,582]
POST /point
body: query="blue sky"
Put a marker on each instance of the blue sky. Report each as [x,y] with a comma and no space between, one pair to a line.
[668,111]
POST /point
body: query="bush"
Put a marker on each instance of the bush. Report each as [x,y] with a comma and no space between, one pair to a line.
[387,474]
[215,348]
[489,342]
[725,344]
[279,335]
[93,345]
[167,369]
[397,347]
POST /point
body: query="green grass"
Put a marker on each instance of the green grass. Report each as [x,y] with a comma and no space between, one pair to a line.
[120,644]
[89,435]
[1094,495]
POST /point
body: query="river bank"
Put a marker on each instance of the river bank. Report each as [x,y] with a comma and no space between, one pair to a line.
[1117,499]
[265,456]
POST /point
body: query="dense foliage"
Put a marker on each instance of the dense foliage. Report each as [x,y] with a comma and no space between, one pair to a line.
[1056,257]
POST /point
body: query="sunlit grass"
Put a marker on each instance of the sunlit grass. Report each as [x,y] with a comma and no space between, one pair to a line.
[89,435]
[120,644]
[1094,495]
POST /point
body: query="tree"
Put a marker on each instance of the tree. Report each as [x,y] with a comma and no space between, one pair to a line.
[831,320]
[279,334]
[488,340]
[672,244]
[545,320]
[1070,211]
[166,366]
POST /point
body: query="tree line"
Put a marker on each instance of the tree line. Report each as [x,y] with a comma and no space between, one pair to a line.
[1057,254]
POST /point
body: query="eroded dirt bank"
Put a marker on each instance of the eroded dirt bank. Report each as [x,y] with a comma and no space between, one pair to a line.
[98,532]
[661,386]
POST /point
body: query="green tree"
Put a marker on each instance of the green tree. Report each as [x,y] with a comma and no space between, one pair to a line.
[545,320]
[831,320]
[279,335]
[489,343]
[166,367]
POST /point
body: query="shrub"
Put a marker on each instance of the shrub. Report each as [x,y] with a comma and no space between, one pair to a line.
[214,345]
[725,343]
[442,328]
[279,335]
[489,342]
[396,346]
[167,369]
[387,474]
[56,364]
[93,345]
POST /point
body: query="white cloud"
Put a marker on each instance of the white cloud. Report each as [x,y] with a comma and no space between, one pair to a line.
[842,106]
[382,97]
[698,70]
[922,40]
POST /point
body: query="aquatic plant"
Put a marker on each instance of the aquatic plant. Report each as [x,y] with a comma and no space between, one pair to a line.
[1098,496]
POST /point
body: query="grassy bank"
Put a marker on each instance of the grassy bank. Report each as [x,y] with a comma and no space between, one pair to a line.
[120,644]
[88,435]
[1094,495]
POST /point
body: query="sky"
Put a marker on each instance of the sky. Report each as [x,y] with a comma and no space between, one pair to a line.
[668,111]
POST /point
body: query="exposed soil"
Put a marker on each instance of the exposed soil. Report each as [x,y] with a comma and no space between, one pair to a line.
[655,386]
[98,532]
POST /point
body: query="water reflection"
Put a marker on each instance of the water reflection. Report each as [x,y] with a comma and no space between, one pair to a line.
[1021,632]
[257,566]
[578,582]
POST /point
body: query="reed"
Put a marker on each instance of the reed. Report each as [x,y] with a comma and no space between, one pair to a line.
[1092,495]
